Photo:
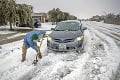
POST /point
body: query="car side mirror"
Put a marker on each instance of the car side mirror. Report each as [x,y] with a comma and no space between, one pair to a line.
[52,29]
[84,28]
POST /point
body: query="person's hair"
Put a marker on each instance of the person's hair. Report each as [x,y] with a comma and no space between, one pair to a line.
[34,37]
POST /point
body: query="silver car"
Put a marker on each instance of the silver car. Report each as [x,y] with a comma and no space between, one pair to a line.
[66,36]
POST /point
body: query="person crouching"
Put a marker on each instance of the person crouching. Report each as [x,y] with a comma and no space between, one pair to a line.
[30,40]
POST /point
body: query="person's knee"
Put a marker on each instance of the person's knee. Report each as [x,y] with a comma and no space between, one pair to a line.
[24,49]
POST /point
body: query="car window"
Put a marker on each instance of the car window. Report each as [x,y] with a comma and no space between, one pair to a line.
[68,26]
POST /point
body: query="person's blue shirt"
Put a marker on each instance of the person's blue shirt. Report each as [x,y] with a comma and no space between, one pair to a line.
[28,38]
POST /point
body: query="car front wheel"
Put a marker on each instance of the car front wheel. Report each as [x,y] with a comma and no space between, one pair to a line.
[81,49]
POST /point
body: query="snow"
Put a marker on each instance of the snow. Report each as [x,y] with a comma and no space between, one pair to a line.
[45,26]
[6,32]
[16,35]
[99,61]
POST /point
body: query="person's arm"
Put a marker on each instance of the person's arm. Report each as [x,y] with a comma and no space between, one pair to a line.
[42,38]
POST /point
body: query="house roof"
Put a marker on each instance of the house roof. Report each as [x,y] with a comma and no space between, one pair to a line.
[39,14]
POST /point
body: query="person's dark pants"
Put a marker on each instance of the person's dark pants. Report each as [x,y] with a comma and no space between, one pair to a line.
[24,51]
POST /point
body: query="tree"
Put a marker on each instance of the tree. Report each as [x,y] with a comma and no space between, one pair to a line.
[8,12]
[12,12]
[3,10]
[110,16]
[24,13]
[56,15]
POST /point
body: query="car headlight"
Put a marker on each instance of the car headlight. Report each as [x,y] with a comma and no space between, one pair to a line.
[79,38]
[49,38]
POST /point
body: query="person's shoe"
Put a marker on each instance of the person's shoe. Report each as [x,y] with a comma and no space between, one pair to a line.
[22,60]
[40,56]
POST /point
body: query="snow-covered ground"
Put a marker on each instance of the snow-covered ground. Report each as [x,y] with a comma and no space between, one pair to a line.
[100,60]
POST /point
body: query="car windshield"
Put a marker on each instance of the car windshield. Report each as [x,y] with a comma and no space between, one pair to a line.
[70,26]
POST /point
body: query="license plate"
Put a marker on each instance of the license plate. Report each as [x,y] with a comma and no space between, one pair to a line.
[62,46]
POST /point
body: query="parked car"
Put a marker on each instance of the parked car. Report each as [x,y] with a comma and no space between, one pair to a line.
[36,22]
[67,36]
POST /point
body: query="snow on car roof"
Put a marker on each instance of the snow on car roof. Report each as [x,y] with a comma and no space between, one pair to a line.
[71,21]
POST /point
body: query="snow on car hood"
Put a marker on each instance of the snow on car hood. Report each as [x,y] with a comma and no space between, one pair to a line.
[66,34]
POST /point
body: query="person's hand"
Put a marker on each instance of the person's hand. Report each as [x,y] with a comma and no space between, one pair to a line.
[45,35]
[38,40]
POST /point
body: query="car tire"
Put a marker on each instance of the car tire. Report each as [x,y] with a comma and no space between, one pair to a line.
[81,49]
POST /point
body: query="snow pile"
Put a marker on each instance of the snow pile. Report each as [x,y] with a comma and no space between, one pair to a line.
[16,35]
[45,26]
[104,61]
[7,32]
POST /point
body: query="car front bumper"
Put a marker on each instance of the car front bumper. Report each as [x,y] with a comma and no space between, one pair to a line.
[70,46]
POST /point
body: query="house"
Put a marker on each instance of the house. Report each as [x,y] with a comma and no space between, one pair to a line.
[41,16]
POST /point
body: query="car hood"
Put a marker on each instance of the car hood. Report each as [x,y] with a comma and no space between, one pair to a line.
[65,34]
